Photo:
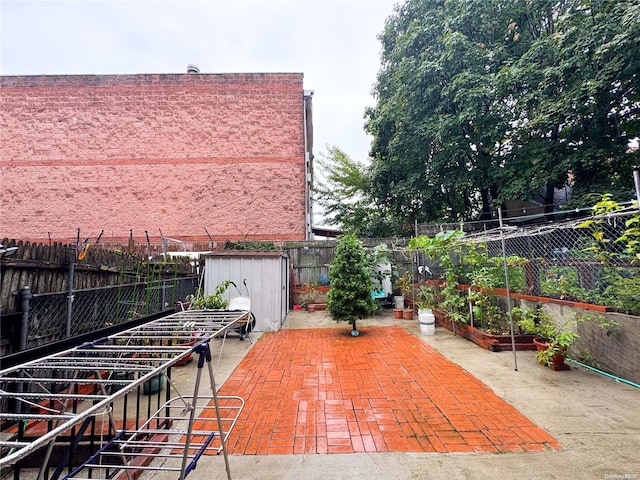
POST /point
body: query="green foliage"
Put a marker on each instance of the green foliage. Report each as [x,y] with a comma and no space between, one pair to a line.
[515,270]
[343,189]
[380,255]
[559,335]
[446,248]
[479,101]
[200,301]
[563,283]
[244,245]
[621,285]
[404,284]
[426,297]
[350,274]
[465,262]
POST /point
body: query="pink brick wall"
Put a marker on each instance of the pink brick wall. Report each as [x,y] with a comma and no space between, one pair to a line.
[179,153]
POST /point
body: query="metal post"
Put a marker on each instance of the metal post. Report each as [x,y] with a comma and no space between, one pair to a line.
[214,391]
[203,354]
[636,182]
[26,296]
[506,281]
[72,264]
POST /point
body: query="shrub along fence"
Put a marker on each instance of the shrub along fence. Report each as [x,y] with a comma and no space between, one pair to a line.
[580,261]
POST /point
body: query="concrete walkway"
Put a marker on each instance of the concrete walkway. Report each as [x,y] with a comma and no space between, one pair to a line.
[595,421]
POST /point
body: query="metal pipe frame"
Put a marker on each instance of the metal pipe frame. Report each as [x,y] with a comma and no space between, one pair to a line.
[146,350]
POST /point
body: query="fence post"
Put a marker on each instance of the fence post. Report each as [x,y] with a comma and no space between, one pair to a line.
[26,296]
[72,264]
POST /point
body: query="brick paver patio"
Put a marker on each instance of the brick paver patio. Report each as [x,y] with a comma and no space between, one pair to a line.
[324,391]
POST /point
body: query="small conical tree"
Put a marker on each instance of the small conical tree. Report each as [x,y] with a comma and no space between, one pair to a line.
[350,276]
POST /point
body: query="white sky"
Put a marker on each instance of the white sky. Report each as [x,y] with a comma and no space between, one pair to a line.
[333,43]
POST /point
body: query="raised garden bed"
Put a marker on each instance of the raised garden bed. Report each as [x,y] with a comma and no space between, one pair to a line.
[494,343]
[534,298]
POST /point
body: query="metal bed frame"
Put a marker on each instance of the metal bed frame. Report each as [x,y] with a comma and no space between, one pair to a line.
[67,390]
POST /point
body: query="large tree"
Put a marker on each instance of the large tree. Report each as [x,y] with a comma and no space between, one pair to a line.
[343,190]
[576,98]
[438,125]
[480,100]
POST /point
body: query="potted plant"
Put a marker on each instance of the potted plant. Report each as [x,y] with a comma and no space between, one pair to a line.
[426,300]
[402,288]
[215,301]
[309,294]
[553,337]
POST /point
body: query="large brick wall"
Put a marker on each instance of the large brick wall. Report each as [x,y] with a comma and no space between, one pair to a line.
[176,153]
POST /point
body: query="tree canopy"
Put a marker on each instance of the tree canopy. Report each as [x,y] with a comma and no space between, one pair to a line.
[478,101]
[345,196]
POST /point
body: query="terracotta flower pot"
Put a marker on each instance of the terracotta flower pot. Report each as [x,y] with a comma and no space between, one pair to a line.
[408,314]
[557,360]
[398,313]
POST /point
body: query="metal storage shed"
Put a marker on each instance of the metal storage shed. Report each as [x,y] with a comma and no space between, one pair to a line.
[267,279]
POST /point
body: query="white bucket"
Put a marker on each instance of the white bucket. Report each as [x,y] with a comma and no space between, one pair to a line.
[398,301]
[427,322]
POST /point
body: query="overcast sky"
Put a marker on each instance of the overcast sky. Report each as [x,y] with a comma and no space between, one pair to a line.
[332,42]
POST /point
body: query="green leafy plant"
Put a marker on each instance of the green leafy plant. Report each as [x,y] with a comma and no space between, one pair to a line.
[404,284]
[426,297]
[215,301]
[563,283]
[559,335]
[350,296]
[621,286]
[486,312]
[380,259]
[469,263]
[446,249]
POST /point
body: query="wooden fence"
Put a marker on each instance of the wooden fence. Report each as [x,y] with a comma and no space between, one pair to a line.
[45,269]
[310,261]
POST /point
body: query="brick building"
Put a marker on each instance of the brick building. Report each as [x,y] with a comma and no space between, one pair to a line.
[189,156]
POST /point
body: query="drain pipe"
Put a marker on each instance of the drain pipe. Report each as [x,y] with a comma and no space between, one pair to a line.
[608,375]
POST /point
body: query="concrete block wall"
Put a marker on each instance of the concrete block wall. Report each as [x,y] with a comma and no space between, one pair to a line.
[176,153]
[617,353]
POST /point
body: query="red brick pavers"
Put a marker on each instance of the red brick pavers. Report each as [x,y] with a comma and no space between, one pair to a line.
[324,391]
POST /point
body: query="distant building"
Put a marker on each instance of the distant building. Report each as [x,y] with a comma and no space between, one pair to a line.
[194,156]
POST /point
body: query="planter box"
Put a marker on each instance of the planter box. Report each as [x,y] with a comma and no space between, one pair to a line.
[312,307]
[494,343]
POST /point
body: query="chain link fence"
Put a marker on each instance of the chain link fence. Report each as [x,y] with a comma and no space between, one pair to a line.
[52,317]
[591,261]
